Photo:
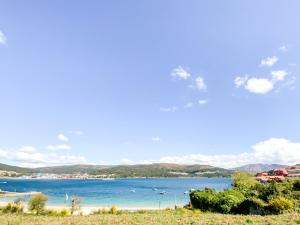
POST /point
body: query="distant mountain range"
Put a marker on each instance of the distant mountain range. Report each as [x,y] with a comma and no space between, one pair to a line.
[143,170]
[259,167]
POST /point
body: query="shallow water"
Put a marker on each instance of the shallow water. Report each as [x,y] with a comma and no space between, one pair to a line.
[126,193]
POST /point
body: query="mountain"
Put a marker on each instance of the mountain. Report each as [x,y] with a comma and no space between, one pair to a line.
[165,170]
[15,168]
[143,170]
[71,169]
[259,167]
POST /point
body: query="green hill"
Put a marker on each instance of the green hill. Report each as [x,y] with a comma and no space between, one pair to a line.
[143,170]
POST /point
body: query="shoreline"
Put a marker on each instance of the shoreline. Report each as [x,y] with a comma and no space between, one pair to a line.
[104,179]
[87,210]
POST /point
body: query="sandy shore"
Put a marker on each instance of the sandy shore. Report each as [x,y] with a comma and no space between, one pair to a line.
[86,210]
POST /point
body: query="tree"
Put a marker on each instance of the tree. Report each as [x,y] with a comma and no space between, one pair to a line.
[37,203]
[75,204]
[243,181]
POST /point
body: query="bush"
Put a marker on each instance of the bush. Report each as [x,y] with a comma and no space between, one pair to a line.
[251,206]
[280,204]
[228,200]
[53,212]
[13,208]
[243,182]
[37,203]
[204,200]
[113,210]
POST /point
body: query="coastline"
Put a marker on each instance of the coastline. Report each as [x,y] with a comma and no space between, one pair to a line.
[87,210]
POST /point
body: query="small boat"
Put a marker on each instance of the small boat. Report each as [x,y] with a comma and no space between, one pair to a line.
[192,189]
[133,191]
[186,192]
[162,192]
[154,189]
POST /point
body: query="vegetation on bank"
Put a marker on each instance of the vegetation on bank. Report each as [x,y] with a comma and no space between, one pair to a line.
[248,196]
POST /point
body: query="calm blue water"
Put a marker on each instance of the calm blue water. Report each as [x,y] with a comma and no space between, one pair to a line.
[116,192]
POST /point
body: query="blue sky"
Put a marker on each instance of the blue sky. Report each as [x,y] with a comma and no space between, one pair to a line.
[112,82]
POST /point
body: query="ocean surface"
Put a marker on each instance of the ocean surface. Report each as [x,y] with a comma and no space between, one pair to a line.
[124,193]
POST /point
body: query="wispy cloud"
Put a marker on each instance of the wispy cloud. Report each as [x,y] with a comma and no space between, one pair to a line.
[77,132]
[58,147]
[168,109]
[29,156]
[126,161]
[188,105]
[202,102]
[279,75]
[200,84]
[2,38]
[269,61]
[180,73]
[62,137]
[156,139]
[283,48]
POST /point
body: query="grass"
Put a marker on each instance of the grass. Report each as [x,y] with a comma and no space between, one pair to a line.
[163,217]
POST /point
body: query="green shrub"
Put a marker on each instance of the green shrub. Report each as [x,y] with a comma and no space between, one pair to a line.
[243,182]
[296,185]
[251,206]
[204,200]
[13,208]
[280,204]
[113,210]
[64,212]
[228,200]
[37,203]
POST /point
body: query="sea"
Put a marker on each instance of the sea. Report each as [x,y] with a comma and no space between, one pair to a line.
[123,193]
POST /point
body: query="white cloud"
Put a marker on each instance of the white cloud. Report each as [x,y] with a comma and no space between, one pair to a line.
[283,48]
[62,137]
[180,73]
[273,150]
[126,161]
[156,139]
[269,61]
[2,38]
[25,156]
[77,132]
[28,149]
[188,105]
[259,85]
[168,109]
[200,84]
[58,147]
[240,81]
[202,102]
[278,75]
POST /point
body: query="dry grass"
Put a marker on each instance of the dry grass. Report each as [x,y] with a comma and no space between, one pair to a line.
[150,218]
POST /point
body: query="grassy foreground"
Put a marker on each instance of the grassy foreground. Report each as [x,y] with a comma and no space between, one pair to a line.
[162,217]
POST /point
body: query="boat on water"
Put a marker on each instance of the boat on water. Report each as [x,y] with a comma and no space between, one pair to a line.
[162,192]
[186,192]
[132,190]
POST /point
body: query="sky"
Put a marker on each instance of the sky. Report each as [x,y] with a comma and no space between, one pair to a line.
[136,81]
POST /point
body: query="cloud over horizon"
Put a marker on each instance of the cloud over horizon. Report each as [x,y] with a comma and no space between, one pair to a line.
[2,38]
